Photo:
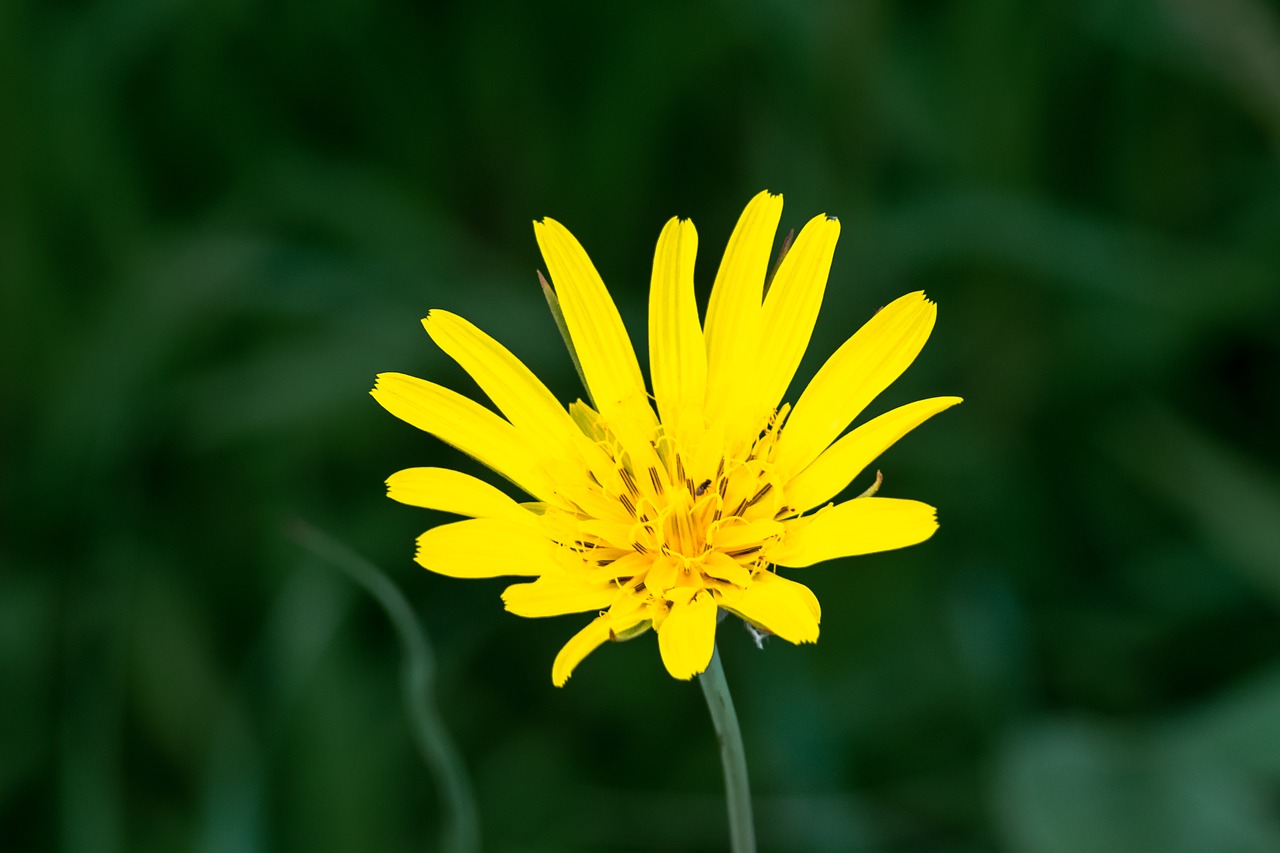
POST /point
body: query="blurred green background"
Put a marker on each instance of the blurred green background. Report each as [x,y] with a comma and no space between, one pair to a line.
[219,219]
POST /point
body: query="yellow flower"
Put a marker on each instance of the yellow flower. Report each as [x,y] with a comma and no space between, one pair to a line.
[659,519]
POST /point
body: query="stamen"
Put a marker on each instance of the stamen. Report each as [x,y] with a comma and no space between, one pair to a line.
[720,469]
[724,487]
[640,549]
[656,480]
[742,552]
[626,502]
[680,475]
[758,495]
[630,482]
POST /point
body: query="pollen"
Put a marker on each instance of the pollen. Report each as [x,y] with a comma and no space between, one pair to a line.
[684,530]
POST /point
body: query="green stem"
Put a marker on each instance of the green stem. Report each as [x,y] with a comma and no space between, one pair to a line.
[461,832]
[742,833]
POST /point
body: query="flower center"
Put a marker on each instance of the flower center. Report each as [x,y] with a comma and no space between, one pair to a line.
[664,523]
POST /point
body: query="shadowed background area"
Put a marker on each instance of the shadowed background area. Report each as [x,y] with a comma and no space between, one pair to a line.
[219,219]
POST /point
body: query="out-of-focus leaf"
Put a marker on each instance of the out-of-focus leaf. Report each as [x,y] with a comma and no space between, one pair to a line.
[1233,504]
[1072,786]
[1237,728]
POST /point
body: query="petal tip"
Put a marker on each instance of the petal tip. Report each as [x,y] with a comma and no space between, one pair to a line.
[544,227]
[766,196]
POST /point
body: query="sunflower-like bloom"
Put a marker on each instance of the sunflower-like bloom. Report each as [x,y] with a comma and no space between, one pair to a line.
[659,519]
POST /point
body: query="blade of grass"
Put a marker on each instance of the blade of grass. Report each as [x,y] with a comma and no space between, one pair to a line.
[461,832]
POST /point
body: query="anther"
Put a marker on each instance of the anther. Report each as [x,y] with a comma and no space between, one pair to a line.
[630,482]
[764,490]
[626,502]
[655,479]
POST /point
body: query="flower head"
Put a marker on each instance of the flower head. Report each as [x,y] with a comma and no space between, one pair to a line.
[658,510]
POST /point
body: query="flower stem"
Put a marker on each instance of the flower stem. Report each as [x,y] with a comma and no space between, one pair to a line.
[742,833]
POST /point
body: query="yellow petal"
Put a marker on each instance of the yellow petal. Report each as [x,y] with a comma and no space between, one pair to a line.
[859,526]
[453,491]
[662,574]
[557,594]
[624,567]
[722,566]
[629,617]
[579,646]
[486,548]
[512,386]
[735,535]
[865,365]
[466,425]
[599,337]
[844,460]
[688,636]
[733,314]
[622,623]
[677,353]
[791,308]
[778,605]
[619,534]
